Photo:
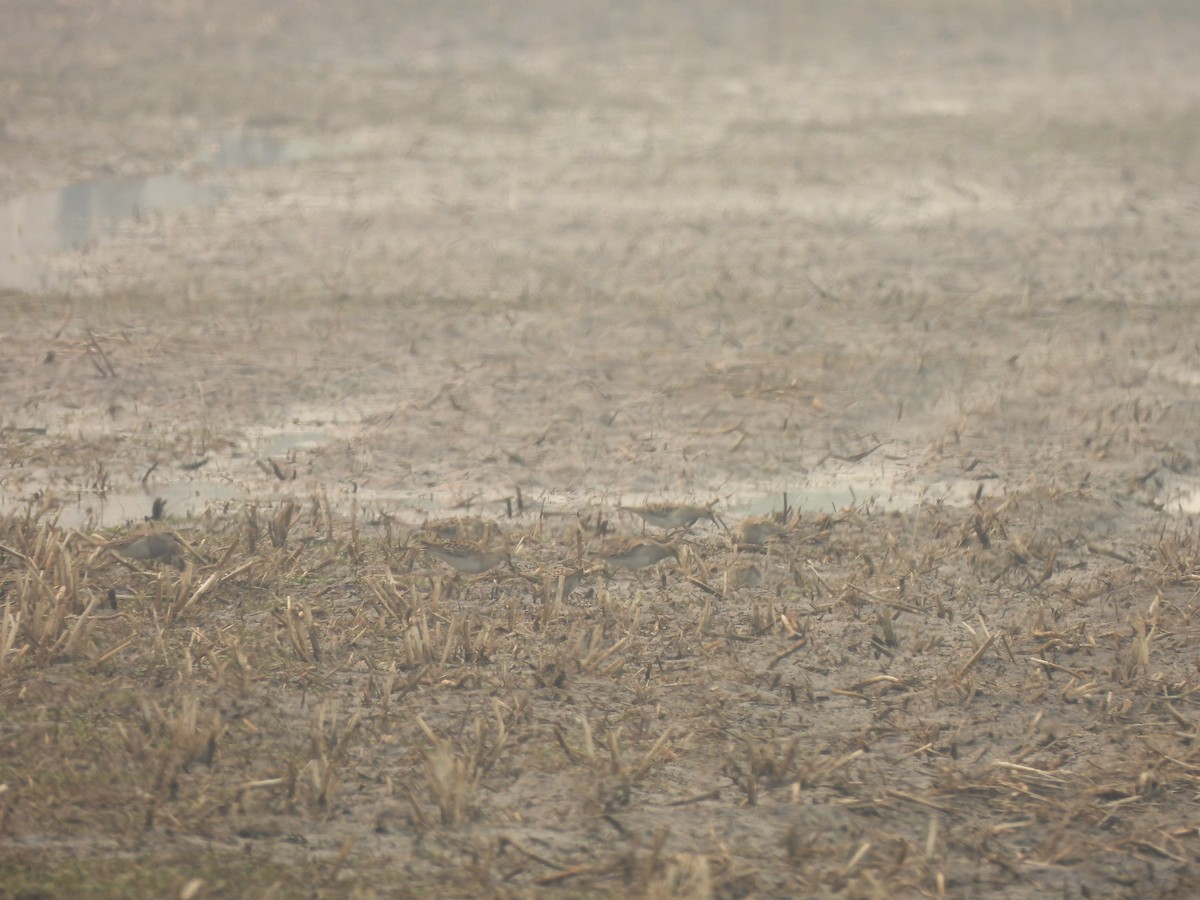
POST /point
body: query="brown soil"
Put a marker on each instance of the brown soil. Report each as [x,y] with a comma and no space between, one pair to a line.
[928,268]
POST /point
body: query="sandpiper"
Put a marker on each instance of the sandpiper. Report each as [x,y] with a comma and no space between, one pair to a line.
[669,515]
[561,580]
[461,529]
[638,556]
[466,556]
[155,545]
[756,532]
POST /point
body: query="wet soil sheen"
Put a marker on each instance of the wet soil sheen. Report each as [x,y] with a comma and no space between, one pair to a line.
[907,291]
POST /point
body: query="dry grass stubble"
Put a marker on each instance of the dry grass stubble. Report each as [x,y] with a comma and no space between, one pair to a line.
[977,706]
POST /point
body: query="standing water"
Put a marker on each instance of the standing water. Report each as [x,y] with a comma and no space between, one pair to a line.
[36,226]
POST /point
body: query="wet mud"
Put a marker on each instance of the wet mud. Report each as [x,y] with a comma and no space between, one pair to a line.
[910,286]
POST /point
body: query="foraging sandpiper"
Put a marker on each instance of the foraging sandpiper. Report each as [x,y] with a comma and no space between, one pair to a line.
[638,556]
[148,547]
[560,581]
[467,556]
[756,532]
[668,515]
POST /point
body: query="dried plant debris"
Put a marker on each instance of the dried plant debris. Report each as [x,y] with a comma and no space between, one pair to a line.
[877,689]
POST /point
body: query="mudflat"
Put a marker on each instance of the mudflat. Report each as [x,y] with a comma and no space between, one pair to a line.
[907,291]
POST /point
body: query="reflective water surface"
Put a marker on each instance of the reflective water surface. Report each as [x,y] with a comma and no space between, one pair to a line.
[35,226]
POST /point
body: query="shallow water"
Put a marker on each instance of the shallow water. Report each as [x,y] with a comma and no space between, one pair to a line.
[36,226]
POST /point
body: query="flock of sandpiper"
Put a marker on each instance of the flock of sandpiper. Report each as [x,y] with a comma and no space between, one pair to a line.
[475,547]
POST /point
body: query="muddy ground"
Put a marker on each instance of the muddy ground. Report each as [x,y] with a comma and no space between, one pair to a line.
[927,268]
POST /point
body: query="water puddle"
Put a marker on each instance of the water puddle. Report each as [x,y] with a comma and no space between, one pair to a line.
[249,148]
[274,443]
[250,472]
[36,226]
[272,464]
[89,510]
[830,498]
[875,487]
[1182,497]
